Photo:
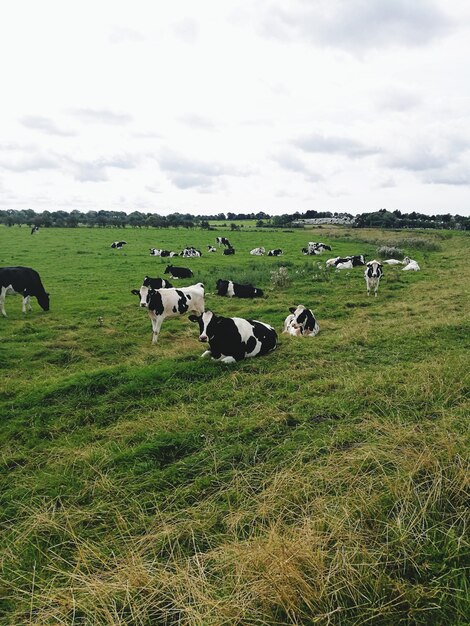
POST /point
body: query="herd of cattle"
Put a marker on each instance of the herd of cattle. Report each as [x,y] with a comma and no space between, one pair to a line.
[230,339]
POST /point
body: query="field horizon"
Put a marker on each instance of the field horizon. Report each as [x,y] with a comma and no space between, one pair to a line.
[324,483]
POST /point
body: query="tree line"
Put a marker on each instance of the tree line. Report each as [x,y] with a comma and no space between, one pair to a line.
[138,219]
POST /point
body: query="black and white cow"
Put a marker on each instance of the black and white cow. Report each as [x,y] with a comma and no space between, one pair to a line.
[190,253]
[211,248]
[231,289]
[277,252]
[372,274]
[24,281]
[117,245]
[315,247]
[153,283]
[349,261]
[229,250]
[178,272]
[163,303]
[162,253]
[258,251]
[301,322]
[34,229]
[233,339]
[223,241]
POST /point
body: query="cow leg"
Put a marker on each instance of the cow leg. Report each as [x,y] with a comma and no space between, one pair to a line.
[228,359]
[157,321]
[3,295]
[206,354]
[26,303]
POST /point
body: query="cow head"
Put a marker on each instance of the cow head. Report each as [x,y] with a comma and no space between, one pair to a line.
[374,269]
[206,320]
[43,301]
[168,269]
[144,294]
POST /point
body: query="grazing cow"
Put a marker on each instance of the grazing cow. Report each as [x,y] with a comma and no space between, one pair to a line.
[190,253]
[301,322]
[277,252]
[34,229]
[153,283]
[211,248]
[233,339]
[411,266]
[258,251]
[230,250]
[118,244]
[163,303]
[372,274]
[24,281]
[231,289]
[178,272]
[162,253]
[392,262]
[223,241]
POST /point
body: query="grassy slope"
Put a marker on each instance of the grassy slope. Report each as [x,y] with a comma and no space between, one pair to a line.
[324,483]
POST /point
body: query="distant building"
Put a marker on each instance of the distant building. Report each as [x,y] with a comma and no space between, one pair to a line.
[339,219]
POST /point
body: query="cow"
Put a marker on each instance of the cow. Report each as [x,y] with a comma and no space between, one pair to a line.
[117,245]
[24,281]
[230,250]
[277,252]
[178,272]
[353,260]
[223,241]
[162,253]
[231,289]
[372,274]
[315,248]
[301,322]
[190,253]
[163,303]
[411,265]
[153,283]
[257,251]
[34,229]
[345,265]
[393,262]
[233,339]
[211,248]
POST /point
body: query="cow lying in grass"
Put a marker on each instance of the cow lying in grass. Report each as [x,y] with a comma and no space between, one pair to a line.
[231,289]
[301,322]
[233,339]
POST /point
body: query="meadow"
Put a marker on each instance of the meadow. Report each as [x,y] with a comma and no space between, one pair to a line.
[324,483]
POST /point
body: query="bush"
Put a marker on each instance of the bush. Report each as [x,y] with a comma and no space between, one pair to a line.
[390,252]
[280,278]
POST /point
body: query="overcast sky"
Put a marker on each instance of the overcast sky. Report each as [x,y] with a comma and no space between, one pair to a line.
[235,105]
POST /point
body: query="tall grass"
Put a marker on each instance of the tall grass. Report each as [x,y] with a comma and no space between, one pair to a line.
[325,483]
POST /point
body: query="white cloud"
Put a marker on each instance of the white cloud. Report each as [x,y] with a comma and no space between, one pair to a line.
[278,105]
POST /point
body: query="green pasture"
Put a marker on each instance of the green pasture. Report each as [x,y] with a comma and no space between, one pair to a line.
[325,483]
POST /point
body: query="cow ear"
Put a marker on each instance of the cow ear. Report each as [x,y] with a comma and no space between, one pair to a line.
[136,292]
[193,318]
[292,309]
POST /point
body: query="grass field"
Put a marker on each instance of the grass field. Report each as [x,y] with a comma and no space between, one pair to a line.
[325,483]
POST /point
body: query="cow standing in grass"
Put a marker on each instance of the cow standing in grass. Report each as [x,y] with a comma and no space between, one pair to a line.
[373,274]
[163,303]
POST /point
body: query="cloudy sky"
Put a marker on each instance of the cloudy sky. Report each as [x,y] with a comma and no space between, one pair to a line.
[236,105]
